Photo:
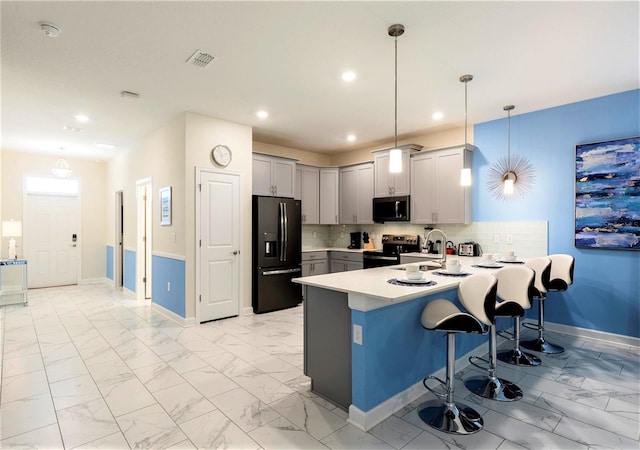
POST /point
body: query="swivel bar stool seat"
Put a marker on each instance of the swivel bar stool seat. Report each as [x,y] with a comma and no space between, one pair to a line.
[490,386]
[559,279]
[515,292]
[477,294]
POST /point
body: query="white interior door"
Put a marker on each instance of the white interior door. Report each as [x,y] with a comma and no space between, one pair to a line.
[219,246]
[50,225]
[118,250]
[145,239]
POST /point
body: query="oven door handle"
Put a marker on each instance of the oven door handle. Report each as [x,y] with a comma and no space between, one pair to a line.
[381,258]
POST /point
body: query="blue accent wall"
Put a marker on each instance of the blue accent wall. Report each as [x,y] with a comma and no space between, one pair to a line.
[129,270]
[110,262]
[605,295]
[168,270]
[398,352]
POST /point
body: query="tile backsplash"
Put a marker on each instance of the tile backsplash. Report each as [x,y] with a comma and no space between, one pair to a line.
[530,238]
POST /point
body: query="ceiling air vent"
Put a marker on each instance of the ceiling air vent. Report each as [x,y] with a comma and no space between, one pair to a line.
[200,59]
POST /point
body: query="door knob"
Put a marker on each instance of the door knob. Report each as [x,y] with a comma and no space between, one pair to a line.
[72,245]
[235,252]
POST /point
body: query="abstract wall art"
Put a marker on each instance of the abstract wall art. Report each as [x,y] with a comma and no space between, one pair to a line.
[608,194]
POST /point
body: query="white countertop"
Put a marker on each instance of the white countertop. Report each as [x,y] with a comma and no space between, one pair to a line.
[371,289]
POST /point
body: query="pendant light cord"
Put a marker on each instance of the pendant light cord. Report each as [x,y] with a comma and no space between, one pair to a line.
[508,109]
[395,130]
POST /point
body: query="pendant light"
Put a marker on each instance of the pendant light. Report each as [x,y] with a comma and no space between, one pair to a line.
[512,177]
[509,178]
[395,155]
[61,168]
[465,173]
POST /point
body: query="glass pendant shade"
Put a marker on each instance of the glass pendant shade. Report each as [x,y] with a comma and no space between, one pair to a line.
[508,187]
[465,177]
[395,161]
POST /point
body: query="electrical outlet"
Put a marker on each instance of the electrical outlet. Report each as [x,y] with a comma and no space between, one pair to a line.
[342,234]
[509,239]
[315,234]
[168,286]
[357,334]
[496,238]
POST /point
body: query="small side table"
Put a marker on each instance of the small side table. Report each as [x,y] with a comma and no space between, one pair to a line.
[10,263]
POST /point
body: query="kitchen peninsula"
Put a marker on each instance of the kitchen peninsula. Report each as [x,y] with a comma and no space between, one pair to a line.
[364,346]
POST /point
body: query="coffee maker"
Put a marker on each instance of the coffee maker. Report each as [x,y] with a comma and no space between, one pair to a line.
[356,240]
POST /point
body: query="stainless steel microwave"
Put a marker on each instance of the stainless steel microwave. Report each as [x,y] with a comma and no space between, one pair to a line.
[391,209]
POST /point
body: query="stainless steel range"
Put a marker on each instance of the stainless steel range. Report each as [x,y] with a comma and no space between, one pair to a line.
[392,246]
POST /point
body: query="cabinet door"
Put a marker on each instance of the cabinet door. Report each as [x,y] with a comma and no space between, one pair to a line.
[338,266]
[329,196]
[450,198]
[310,195]
[297,187]
[319,267]
[401,181]
[283,175]
[364,192]
[354,265]
[306,269]
[383,179]
[347,195]
[262,175]
[422,188]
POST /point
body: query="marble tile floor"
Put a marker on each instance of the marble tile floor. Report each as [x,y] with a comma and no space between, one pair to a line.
[88,367]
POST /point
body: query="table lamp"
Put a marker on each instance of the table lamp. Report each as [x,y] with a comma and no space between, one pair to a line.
[12,229]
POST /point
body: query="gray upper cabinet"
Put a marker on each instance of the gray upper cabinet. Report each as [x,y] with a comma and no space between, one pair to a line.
[307,190]
[391,184]
[329,196]
[273,175]
[436,194]
[356,194]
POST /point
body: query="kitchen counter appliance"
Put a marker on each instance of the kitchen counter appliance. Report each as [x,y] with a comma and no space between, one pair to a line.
[392,247]
[469,249]
[277,253]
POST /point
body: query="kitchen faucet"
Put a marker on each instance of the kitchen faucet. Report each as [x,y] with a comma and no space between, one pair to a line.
[443,261]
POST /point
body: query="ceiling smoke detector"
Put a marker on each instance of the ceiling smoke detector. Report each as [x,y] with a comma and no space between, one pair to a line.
[200,59]
[50,29]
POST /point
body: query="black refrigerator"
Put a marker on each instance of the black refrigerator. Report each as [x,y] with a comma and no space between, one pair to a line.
[277,243]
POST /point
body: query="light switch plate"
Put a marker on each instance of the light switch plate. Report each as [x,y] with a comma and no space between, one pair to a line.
[357,334]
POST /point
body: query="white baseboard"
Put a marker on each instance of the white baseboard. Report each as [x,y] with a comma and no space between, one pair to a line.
[590,334]
[129,293]
[247,311]
[185,322]
[369,419]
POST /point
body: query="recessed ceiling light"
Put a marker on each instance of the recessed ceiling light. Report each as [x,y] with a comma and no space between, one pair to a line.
[82,118]
[74,129]
[351,137]
[106,146]
[349,75]
[437,115]
[262,114]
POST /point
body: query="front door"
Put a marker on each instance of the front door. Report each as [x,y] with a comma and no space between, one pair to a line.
[51,239]
[219,242]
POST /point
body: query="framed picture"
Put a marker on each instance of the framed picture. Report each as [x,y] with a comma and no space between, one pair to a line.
[165,206]
[608,194]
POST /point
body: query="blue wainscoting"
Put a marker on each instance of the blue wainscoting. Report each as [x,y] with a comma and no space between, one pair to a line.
[605,295]
[168,272]
[110,262]
[129,270]
[398,352]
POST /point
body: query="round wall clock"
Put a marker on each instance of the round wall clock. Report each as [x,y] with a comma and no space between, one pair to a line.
[221,155]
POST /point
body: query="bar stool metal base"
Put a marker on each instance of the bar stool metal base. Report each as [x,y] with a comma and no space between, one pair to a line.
[494,388]
[454,418]
[542,346]
[519,358]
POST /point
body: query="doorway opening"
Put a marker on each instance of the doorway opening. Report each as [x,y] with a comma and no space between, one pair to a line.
[144,239]
[118,251]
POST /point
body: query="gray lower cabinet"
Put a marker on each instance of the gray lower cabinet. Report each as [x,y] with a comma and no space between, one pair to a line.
[314,263]
[327,344]
[344,261]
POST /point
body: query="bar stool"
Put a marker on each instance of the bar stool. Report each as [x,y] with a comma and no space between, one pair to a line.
[515,290]
[559,280]
[477,293]
[490,386]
